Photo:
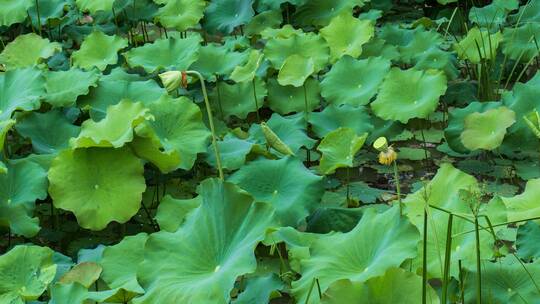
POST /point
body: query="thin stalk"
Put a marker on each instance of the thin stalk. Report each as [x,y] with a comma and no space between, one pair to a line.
[255,99]
[447,259]
[498,225]
[310,291]
[424,256]
[319,288]
[38,17]
[218,89]
[210,121]
[478,265]
[461,282]
[348,181]
[398,187]
[306,118]
[149,216]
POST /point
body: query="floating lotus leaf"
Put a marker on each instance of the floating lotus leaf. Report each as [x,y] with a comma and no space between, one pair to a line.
[115,129]
[419,43]
[177,128]
[395,286]
[333,117]
[233,151]
[27,50]
[98,50]
[225,15]
[181,14]
[260,289]
[379,242]
[486,130]
[321,12]
[338,149]
[14,11]
[68,293]
[267,19]
[519,42]
[291,188]
[171,53]
[172,212]
[346,34]
[295,70]
[415,93]
[247,71]
[528,241]
[478,45]
[25,272]
[525,205]
[217,60]
[354,82]
[493,15]
[49,132]
[212,248]
[20,89]
[99,185]
[93,6]
[288,99]
[237,99]
[20,187]
[63,87]
[85,273]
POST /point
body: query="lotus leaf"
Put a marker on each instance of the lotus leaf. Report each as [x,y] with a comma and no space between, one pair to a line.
[288,99]
[238,99]
[20,89]
[225,15]
[181,14]
[528,241]
[93,6]
[98,50]
[5,126]
[172,212]
[63,87]
[295,70]
[27,50]
[478,45]
[338,149]
[217,60]
[259,289]
[321,12]
[49,11]
[494,14]
[85,273]
[14,11]
[519,42]
[247,71]
[233,152]
[264,20]
[525,205]
[347,116]
[486,130]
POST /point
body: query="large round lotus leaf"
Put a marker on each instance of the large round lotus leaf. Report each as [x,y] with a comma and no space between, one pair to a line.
[435,58]
[218,60]
[519,42]
[354,82]
[395,286]
[321,12]
[407,94]
[171,53]
[172,212]
[238,99]
[486,130]
[528,241]
[93,6]
[291,188]
[201,261]
[98,50]
[99,185]
[225,15]
[233,152]
[478,45]
[246,72]
[309,45]
[338,149]
[63,87]
[446,191]
[20,89]
[27,50]
[295,70]
[333,117]
[290,129]
[49,132]
[346,34]
[23,183]
[456,122]
[177,128]
[525,205]
[494,14]
[266,19]
[181,14]
[288,99]
[421,41]
[379,242]
[85,273]
[14,11]
[115,129]
[119,264]
[25,273]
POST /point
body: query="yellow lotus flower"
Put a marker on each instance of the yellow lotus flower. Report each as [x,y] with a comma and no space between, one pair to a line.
[171,80]
[387,157]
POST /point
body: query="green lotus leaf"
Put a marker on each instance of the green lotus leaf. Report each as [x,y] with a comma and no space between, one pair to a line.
[225,15]
[259,289]
[68,293]
[93,6]
[519,42]
[395,286]
[99,185]
[177,128]
[354,82]
[20,89]
[238,99]
[118,262]
[264,5]
[295,70]
[115,129]
[172,212]
[338,149]
[528,241]
[233,151]
[213,247]
[415,93]
[5,126]
[291,188]
[3,168]
[181,14]
[444,2]
[246,72]
[20,187]
[150,150]
[288,99]
[419,43]
[14,11]
[486,130]
[435,58]
[63,87]
[380,241]
[525,205]
[347,116]
[218,60]
[85,273]
[529,13]
[25,272]
[49,12]
[346,34]
[27,50]
[287,31]
[266,19]
[478,45]
[165,54]
[321,12]
[494,14]
[49,132]
[98,50]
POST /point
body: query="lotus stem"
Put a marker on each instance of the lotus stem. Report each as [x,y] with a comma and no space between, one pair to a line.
[478,265]
[447,259]
[424,256]
[255,99]
[306,117]
[38,17]
[398,187]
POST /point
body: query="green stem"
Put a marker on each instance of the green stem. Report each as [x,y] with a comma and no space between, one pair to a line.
[478,266]
[38,17]
[306,118]
[447,258]
[424,256]
[255,99]
[398,187]
[218,89]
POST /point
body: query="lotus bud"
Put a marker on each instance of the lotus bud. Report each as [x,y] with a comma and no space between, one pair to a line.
[533,122]
[171,80]
[274,141]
